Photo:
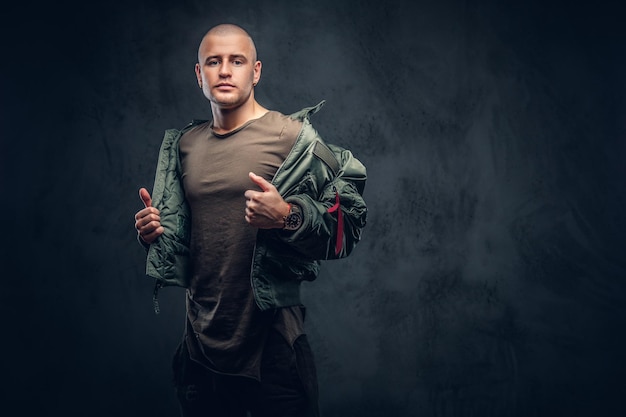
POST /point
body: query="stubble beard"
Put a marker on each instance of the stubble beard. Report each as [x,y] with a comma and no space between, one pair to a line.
[230,101]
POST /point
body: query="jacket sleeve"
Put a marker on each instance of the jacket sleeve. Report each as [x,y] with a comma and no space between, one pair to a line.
[320,237]
[167,257]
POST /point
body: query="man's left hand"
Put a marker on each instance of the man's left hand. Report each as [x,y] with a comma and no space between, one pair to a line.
[265,209]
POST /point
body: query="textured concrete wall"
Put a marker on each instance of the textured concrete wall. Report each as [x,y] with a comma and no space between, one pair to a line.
[490,280]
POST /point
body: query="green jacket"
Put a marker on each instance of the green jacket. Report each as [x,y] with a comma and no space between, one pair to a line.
[313,175]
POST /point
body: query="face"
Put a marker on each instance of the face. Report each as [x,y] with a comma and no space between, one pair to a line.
[227,69]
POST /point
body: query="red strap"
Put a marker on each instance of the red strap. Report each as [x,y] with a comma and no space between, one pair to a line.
[337,208]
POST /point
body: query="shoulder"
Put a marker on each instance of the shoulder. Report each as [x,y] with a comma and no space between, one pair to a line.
[278,118]
[196,126]
[282,125]
[307,112]
[305,132]
[193,130]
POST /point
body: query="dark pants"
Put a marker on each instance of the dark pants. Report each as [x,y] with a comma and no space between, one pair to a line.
[288,386]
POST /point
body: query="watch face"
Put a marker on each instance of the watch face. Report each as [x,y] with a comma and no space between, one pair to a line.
[293,221]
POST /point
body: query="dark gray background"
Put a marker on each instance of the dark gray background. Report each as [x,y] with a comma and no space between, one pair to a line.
[490,279]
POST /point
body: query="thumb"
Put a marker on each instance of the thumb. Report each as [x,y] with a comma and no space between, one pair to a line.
[260,181]
[145,197]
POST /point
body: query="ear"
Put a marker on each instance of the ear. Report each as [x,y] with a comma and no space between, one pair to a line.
[198,75]
[257,72]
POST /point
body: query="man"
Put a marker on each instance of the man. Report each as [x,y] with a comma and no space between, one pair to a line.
[243,208]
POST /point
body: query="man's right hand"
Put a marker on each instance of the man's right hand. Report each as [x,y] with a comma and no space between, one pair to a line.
[147,220]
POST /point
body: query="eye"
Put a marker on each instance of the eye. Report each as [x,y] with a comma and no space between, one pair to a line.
[237,62]
[213,62]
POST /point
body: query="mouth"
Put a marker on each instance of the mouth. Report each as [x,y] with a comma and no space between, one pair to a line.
[224,85]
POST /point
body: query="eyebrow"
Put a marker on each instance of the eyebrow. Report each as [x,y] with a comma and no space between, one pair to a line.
[234,56]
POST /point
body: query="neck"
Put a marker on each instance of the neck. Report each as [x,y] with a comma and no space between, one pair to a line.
[228,119]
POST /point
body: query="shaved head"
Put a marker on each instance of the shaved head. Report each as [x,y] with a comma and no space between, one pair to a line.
[228,29]
[228,70]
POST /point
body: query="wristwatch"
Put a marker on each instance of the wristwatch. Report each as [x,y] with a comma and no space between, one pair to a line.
[293,220]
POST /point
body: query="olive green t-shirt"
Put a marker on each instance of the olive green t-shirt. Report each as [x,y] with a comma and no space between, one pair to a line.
[225,328]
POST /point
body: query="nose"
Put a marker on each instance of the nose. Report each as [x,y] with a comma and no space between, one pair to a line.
[225,69]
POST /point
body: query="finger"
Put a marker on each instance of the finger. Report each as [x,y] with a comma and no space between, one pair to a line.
[149,228]
[150,237]
[146,220]
[260,181]
[145,197]
[250,194]
[146,212]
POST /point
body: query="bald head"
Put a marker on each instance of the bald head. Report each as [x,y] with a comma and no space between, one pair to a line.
[228,29]
[227,69]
